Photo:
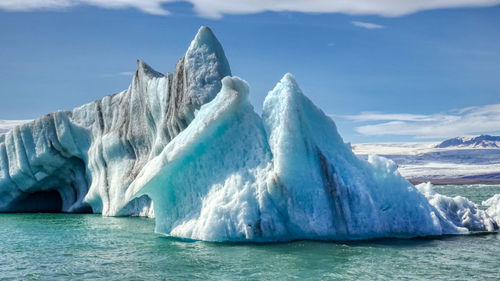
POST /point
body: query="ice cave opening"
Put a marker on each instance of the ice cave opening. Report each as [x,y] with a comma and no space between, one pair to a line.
[41,201]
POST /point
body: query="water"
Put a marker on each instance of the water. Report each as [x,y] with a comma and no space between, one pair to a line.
[83,247]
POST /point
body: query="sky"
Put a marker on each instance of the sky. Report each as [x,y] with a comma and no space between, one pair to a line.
[383,70]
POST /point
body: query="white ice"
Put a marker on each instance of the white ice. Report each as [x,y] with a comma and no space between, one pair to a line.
[494,207]
[460,211]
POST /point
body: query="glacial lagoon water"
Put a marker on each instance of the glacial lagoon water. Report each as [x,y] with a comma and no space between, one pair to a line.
[89,247]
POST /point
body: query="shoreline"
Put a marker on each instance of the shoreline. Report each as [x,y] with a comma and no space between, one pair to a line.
[457,181]
[491,179]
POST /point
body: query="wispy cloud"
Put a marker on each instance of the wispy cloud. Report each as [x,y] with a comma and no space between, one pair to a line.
[376,116]
[465,121]
[126,73]
[367,25]
[218,8]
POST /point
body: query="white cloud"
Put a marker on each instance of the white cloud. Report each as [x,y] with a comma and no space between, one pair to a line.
[466,121]
[218,8]
[27,5]
[367,25]
[147,6]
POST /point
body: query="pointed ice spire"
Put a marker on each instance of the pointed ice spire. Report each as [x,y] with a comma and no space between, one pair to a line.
[288,86]
[204,66]
[286,93]
[290,115]
[196,81]
[205,36]
[283,116]
[289,81]
[143,69]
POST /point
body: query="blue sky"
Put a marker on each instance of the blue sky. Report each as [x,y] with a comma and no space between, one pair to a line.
[399,74]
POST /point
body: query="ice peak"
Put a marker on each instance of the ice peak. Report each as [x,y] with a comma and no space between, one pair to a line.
[204,66]
[144,69]
[237,85]
[287,88]
[289,83]
[204,33]
[205,36]
[289,78]
[206,42]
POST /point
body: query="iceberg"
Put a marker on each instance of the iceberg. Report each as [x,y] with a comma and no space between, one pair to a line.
[85,159]
[188,149]
[461,211]
[232,175]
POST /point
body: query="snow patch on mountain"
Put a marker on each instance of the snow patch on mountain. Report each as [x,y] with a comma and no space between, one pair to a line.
[482,141]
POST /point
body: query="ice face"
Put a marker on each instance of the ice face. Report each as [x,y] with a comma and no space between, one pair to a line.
[138,123]
[205,64]
[330,193]
[494,208]
[43,156]
[189,146]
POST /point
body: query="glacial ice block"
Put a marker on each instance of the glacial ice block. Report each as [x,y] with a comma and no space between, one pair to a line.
[90,155]
[461,211]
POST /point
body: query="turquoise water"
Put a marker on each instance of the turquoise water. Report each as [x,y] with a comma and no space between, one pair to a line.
[83,247]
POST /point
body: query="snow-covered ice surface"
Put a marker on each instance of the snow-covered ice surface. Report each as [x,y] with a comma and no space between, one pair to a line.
[192,143]
[7,125]
[421,162]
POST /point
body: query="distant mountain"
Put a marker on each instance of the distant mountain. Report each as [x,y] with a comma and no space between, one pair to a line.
[457,162]
[482,141]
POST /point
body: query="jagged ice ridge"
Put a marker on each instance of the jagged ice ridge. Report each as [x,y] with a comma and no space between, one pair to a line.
[191,142]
